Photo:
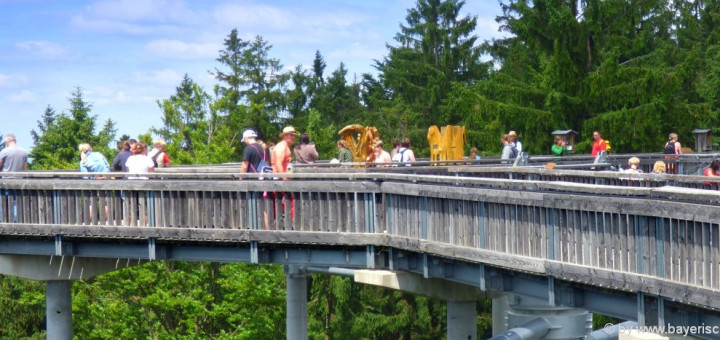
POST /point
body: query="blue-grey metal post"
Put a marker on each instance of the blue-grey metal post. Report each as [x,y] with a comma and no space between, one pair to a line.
[58,310]
[296,300]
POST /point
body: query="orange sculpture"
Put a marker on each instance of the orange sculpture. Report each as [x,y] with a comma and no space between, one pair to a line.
[360,139]
[446,144]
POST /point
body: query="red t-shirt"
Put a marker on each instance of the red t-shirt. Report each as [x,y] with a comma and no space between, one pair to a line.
[709,172]
[598,145]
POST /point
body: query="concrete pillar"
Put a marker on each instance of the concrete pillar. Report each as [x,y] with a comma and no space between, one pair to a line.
[58,310]
[296,288]
[499,315]
[461,320]
[565,323]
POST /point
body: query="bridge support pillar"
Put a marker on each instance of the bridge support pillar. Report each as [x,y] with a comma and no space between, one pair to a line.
[565,323]
[499,315]
[461,320]
[58,309]
[297,319]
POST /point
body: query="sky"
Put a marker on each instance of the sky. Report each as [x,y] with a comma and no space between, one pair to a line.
[125,55]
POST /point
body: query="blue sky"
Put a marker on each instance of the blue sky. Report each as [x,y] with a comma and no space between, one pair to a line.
[127,54]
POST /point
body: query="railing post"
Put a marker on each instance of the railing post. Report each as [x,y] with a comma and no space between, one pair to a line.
[370,226]
[424,218]
[482,215]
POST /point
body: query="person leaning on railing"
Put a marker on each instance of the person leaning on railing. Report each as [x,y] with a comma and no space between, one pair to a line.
[558,148]
[91,161]
[712,171]
[344,153]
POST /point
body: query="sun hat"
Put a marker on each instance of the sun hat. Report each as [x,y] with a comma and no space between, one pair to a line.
[512,133]
[287,130]
[248,134]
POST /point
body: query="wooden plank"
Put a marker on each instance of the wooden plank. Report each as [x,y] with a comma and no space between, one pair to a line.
[669,247]
[565,235]
[631,224]
[714,261]
[585,237]
[705,254]
[650,244]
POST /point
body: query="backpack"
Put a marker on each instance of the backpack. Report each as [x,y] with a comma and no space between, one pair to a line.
[669,148]
[513,151]
[155,157]
[263,166]
[399,157]
[607,146]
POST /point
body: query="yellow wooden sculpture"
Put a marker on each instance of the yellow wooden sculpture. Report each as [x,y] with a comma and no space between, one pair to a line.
[360,139]
[447,143]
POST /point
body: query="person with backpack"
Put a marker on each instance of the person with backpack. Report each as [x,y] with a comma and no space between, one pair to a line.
[509,152]
[404,154]
[159,156]
[254,156]
[672,147]
[599,144]
[513,139]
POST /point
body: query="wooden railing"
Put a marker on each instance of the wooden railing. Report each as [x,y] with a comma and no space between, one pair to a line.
[662,241]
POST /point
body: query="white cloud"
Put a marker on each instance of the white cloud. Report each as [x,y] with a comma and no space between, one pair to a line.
[177,49]
[137,16]
[43,49]
[23,96]
[13,80]
[159,77]
[254,16]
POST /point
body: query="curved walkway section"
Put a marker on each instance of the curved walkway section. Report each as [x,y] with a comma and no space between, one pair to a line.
[657,245]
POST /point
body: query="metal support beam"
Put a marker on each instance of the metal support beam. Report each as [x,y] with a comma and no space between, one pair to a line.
[461,320]
[297,318]
[58,310]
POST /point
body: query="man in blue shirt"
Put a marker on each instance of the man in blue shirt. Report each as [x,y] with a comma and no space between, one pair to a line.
[91,161]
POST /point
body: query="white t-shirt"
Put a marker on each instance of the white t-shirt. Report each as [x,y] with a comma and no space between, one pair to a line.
[139,164]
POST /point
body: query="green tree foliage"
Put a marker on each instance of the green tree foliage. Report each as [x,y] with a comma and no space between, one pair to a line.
[338,102]
[58,136]
[436,47]
[22,308]
[181,300]
[251,89]
[192,128]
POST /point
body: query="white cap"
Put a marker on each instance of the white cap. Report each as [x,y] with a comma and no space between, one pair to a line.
[248,134]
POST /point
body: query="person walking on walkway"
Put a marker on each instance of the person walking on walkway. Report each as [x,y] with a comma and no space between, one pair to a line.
[599,144]
[13,158]
[305,151]
[672,147]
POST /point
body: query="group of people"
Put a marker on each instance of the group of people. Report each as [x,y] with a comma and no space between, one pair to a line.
[278,156]
[133,158]
[400,153]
